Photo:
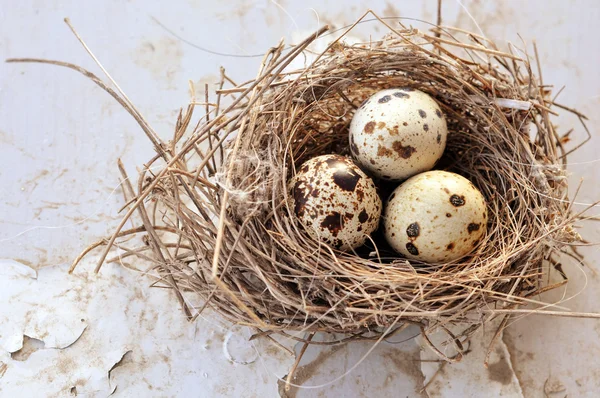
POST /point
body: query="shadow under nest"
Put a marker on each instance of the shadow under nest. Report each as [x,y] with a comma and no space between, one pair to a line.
[217,221]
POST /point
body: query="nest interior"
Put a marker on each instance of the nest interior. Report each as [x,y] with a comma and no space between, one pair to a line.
[219,230]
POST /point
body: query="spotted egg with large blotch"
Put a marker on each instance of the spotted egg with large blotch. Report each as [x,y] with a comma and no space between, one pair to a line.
[435,217]
[398,133]
[335,201]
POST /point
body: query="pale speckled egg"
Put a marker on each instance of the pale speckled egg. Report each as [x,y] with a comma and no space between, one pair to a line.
[335,201]
[398,133]
[435,217]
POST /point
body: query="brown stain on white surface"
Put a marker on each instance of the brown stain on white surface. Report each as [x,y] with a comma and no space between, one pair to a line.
[210,79]
[31,183]
[236,10]
[305,372]
[520,360]
[388,370]
[161,57]
[30,345]
[468,375]
[500,371]
[405,366]
[390,10]
[6,138]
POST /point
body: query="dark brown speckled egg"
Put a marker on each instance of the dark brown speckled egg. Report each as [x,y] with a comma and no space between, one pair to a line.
[435,217]
[335,201]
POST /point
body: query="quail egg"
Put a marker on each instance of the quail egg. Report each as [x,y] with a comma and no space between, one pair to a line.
[335,201]
[436,216]
[398,133]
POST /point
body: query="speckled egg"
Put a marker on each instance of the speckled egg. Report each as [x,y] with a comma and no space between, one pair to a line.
[435,217]
[398,133]
[335,201]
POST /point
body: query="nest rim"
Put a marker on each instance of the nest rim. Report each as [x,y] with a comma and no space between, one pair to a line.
[473,272]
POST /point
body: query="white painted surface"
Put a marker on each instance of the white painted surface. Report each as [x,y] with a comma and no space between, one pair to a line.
[60,137]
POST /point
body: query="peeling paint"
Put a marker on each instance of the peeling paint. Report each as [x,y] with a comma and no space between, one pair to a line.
[28,347]
[97,334]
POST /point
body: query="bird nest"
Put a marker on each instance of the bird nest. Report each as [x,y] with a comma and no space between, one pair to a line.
[218,227]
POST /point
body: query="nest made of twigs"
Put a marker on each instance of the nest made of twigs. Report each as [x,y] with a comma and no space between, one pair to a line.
[216,218]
